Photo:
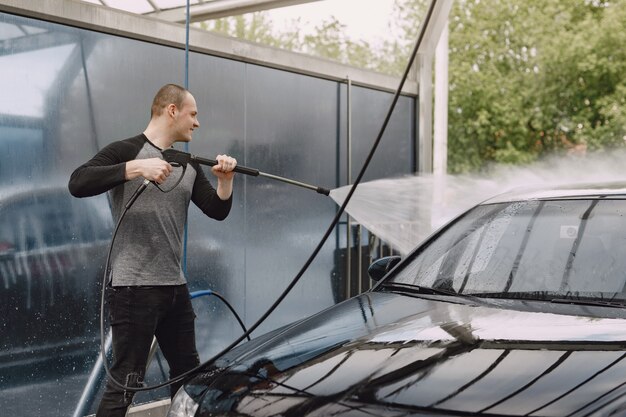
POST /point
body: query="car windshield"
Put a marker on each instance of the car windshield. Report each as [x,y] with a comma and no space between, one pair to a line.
[539,249]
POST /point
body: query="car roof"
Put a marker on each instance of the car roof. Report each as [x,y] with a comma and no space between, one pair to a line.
[562,191]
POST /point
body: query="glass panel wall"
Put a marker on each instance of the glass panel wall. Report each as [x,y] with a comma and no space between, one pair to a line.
[66,93]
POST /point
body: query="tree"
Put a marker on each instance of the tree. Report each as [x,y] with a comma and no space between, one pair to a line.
[328,39]
[531,78]
[528,78]
[254,27]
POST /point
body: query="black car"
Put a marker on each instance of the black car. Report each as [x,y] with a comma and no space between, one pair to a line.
[515,308]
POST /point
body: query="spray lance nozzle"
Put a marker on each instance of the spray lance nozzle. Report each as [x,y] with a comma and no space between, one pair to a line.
[180,158]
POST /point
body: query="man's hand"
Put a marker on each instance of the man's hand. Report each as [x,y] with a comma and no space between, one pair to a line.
[224,173]
[153,169]
[224,168]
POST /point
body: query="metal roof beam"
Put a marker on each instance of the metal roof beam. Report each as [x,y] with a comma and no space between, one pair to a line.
[221,8]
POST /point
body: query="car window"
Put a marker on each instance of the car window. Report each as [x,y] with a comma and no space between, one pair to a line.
[558,247]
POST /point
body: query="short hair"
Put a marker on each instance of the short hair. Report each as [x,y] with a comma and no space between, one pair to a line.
[168,94]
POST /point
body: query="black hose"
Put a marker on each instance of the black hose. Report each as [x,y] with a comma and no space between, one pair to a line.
[132,199]
[243,326]
[197,294]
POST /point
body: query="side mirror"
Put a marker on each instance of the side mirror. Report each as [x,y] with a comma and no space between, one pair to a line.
[380,267]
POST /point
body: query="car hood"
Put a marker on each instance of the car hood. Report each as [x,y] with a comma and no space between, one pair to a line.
[389,354]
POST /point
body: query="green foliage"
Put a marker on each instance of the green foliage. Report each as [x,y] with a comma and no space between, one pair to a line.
[527,78]
[328,40]
[254,27]
[530,78]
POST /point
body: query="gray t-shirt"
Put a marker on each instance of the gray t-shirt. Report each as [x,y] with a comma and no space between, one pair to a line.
[148,246]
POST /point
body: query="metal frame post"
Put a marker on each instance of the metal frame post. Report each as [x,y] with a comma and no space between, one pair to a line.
[349,181]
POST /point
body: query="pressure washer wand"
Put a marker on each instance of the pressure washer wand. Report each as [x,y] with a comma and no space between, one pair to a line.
[178,157]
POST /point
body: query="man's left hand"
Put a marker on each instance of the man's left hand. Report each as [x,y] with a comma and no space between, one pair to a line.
[224,168]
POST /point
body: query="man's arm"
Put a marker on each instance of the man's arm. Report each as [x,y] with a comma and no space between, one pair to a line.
[208,198]
[107,169]
[114,165]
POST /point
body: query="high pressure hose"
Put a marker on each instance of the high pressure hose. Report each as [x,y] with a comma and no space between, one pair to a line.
[306,265]
[105,279]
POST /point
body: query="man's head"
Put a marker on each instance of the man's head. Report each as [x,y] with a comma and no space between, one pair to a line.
[168,94]
[176,107]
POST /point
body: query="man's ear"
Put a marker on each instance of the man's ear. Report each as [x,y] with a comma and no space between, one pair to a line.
[171,110]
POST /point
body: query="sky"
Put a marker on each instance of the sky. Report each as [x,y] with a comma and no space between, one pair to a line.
[366,20]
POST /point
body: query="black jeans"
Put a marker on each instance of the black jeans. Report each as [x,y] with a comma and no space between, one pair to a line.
[138,314]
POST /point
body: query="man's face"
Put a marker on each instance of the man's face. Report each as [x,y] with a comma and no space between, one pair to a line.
[186,119]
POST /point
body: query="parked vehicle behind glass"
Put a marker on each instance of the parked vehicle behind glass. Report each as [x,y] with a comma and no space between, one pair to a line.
[52,250]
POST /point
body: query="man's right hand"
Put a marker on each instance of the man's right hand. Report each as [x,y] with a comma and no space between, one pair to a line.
[153,169]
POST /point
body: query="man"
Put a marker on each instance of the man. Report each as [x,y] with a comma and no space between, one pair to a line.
[147,292]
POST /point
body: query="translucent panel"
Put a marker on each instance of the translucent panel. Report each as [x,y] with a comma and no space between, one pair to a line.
[395,154]
[28,90]
[291,128]
[52,246]
[135,6]
[70,92]
[168,4]
[8,31]
[217,250]
[31,30]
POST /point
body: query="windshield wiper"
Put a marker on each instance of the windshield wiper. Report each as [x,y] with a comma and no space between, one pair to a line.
[530,296]
[552,298]
[418,289]
[599,303]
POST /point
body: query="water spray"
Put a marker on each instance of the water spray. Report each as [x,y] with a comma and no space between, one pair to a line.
[405,210]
